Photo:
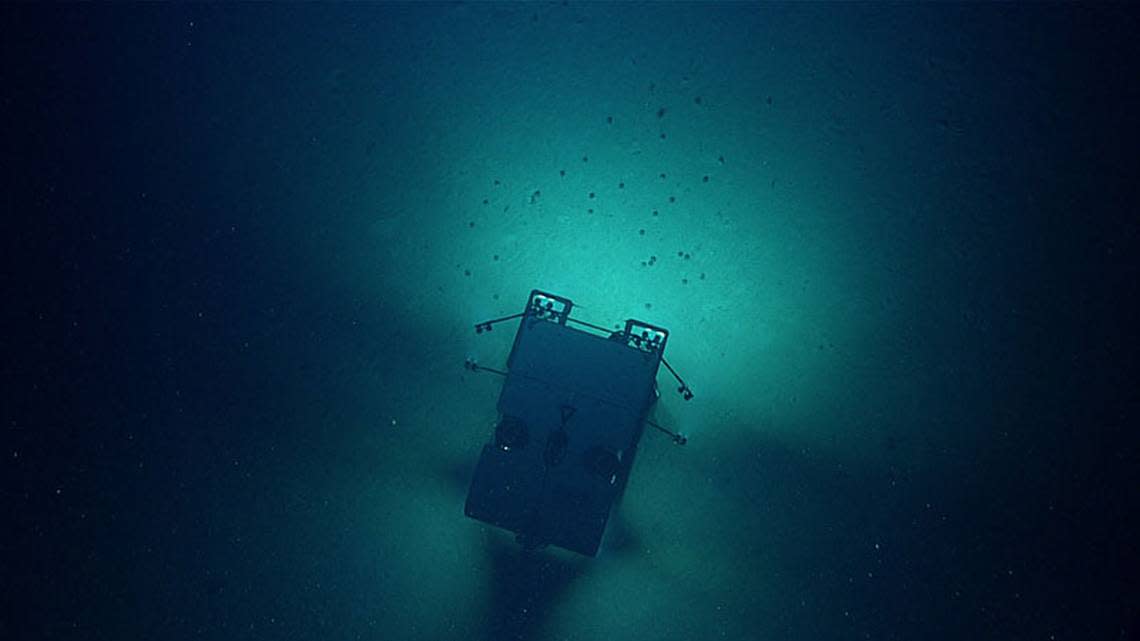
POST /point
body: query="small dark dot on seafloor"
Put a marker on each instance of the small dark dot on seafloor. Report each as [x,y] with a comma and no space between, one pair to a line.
[590,211]
[697,100]
[585,159]
[562,172]
[662,135]
[662,175]
[702,275]
[687,256]
[653,259]
[643,263]
[721,160]
[610,119]
[591,194]
[654,212]
[705,179]
[486,202]
[680,253]
[641,231]
[467,272]
[769,100]
[495,257]
[672,199]
[471,223]
[621,185]
[496,297]
[648,305]
[661,112]
[684,281]
[497,182]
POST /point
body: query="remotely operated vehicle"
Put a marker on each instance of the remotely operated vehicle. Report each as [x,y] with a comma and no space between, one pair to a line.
[574,403]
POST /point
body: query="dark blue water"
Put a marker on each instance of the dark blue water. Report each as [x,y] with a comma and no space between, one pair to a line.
[244,248]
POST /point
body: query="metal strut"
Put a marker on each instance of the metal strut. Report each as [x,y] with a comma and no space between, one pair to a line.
[684,389]
[678,438]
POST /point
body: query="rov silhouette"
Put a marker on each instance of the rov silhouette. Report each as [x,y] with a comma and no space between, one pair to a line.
[572,410]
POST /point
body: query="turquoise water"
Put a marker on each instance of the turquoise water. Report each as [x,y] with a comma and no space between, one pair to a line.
[866,227]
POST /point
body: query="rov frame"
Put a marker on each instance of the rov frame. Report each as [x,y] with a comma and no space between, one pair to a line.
[574,403]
